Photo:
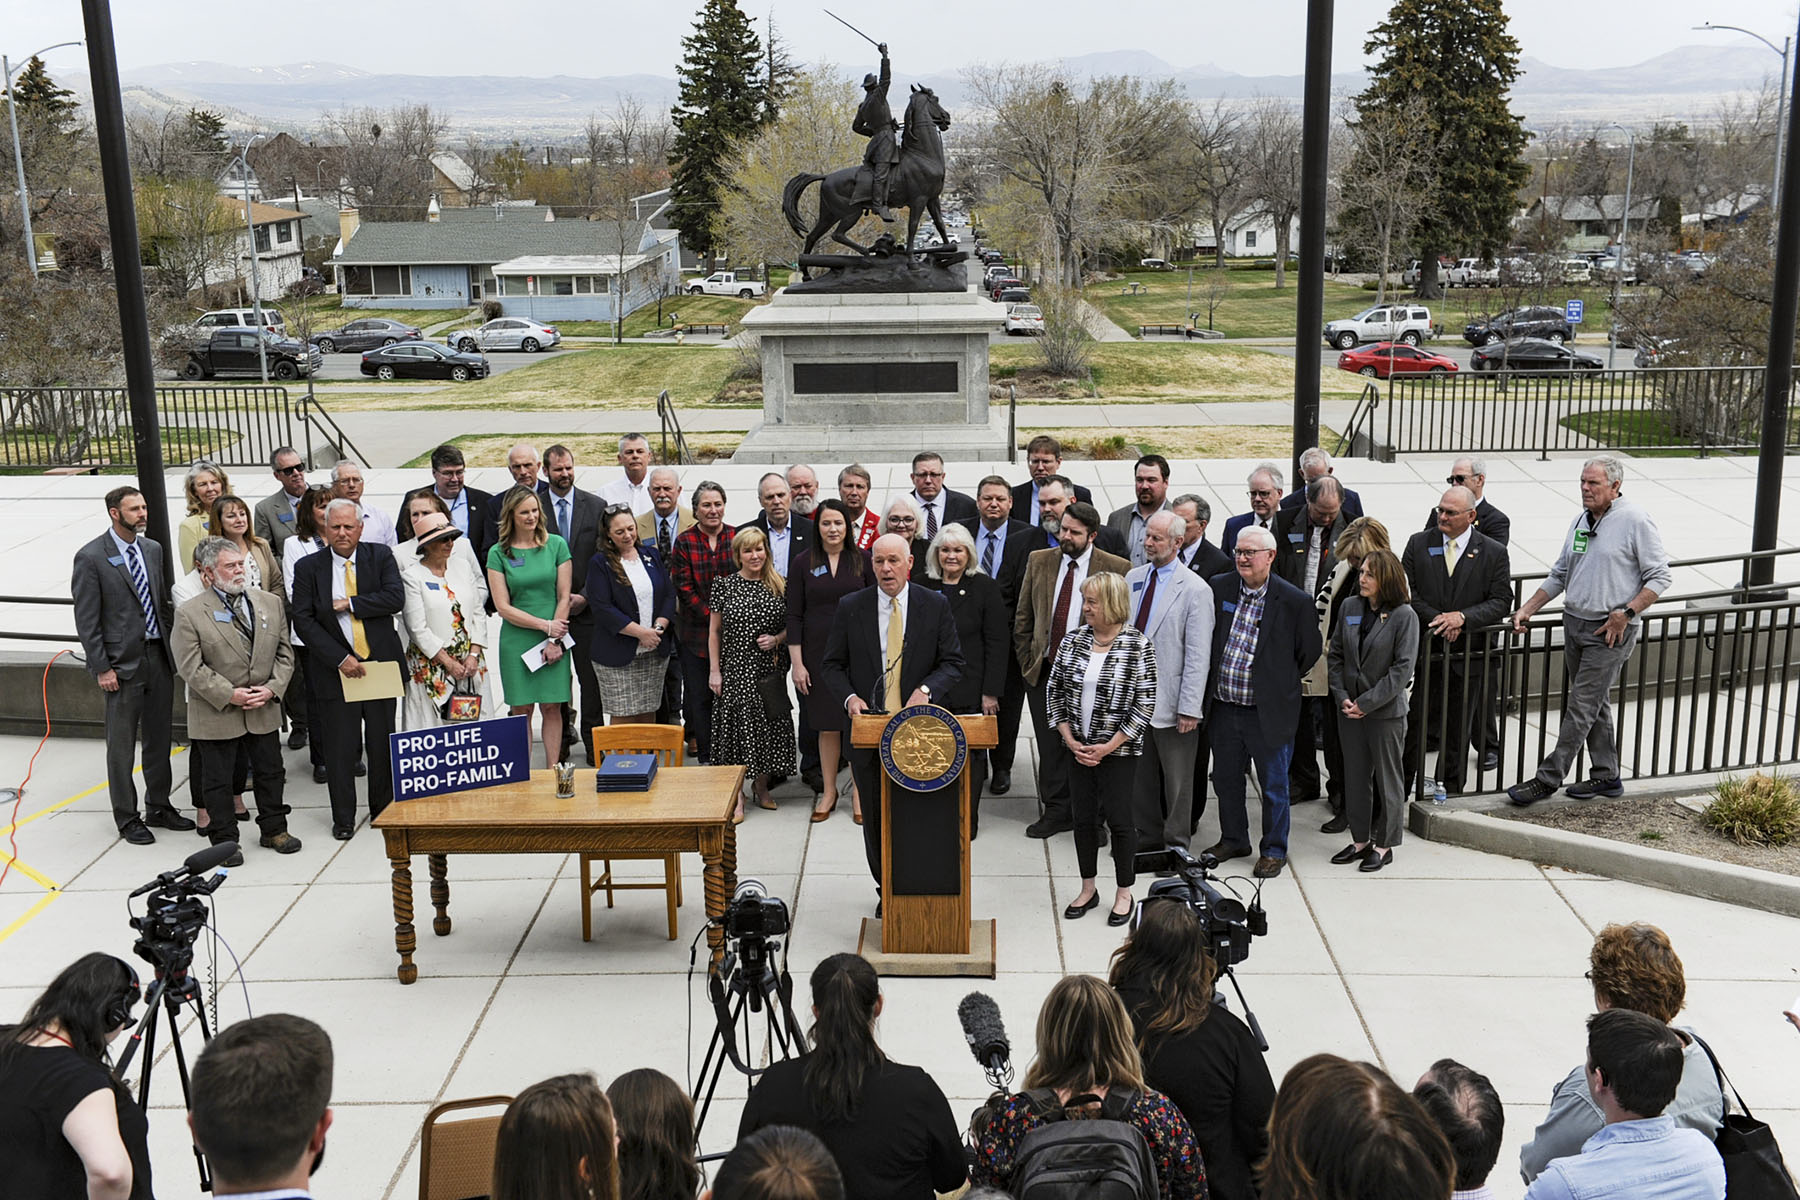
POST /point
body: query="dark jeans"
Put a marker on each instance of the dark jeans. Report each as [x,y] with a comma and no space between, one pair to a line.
[589,685]
[1012,710]
[218,761]
[1238,741]
[1454,693]
[697,699]
[353,729]
[240,769]
[140,711]
[1054,759]
[1104,792]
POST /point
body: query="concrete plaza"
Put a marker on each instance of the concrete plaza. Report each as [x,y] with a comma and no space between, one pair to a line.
[1448,952]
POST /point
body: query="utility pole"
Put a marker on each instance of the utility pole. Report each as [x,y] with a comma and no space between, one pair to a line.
[12,113]
[1314,135]
[1778,376]
[262,331]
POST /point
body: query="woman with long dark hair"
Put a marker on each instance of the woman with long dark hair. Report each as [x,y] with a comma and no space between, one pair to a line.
[888,1126]
[633,603]
[68,1127]
[778,1163]
[656,1137]
[818,578]
[557,1141]
[1201,1057]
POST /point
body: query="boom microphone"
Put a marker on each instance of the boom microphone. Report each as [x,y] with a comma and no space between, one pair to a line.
[198,863]
[985,1032]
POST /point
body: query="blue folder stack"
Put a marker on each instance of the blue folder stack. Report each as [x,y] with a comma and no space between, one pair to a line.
[625,773]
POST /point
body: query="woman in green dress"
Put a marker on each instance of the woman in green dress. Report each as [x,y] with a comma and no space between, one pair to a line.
[528,580]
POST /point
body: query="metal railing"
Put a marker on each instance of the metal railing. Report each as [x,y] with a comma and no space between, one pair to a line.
[671,426]
[1362,414]
[1705,409]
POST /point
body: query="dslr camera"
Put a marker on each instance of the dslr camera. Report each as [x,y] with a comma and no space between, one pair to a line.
[754,914]
[1227,924]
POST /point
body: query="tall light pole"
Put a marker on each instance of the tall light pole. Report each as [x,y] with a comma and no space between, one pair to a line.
[12,113]
[1780,99]
[262,332]
[1612,336]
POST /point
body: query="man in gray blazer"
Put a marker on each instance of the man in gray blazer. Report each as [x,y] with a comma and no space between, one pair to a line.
[232,648]
[1173,608]
[275,520]
[123,617]
[575,515]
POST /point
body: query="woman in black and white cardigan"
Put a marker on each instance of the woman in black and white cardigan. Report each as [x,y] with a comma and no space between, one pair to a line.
[1100,698]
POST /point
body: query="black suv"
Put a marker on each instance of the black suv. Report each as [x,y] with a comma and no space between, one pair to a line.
[234,352]
[1537,321]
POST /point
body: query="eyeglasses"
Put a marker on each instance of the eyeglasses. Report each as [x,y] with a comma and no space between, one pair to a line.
[1264,492]
[1249,554]
[613,510]
[296,469]
[927,474]
[1456,479]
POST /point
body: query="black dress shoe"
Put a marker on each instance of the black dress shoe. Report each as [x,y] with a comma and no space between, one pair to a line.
[1043,827]
[318,774]
[1490,761]
[297,739]
[1077,911]
[341,833]
[236,859]
[1337,824]
[1116,919]
[814,780]
[1374,862]
[137,833]
[1587,789]
[1349,854]
[362,768]
[1000,783]
[168,818]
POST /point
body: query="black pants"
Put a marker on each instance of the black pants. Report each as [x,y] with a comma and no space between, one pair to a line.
[865,769]
[240,769]
[295,702]
[808,742]
[140,711]
[697,699]
[1202,775]
[668,710]
[353,729]
[589,690]
[1454,696]
[218,762]
[1098,793]
[1054,759]
[1315,726]
[1012,709]
[318,729]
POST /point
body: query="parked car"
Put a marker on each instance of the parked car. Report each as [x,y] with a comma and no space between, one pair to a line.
[1696,261]
[1027,319]
[727,283]
[1533,354]
[1002,284]
[1385,359]
[505,333]
[1611,267]
[240,318]
[423,360]
[1469,272]
[990,255]
[1520,272]
[1652,352]
[1576,270]
[1018,294]
[235,351]
[1409,323]
[364,334]
[1153,264]
[1534,321]
[1415,271]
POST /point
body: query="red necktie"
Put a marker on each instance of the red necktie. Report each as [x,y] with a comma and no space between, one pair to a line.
[1059,621]
[1144,607]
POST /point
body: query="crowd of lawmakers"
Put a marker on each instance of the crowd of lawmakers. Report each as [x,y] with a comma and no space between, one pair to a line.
[1143,651]
[1141,1087]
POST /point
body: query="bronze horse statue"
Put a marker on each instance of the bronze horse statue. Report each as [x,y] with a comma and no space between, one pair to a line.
[917,182]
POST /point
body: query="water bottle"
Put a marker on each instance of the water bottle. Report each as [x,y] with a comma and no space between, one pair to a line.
[1437,792]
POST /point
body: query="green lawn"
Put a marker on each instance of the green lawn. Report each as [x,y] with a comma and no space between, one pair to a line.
[1126,370]
[1645,428]
[627,376]
[180,444]
[1252,308]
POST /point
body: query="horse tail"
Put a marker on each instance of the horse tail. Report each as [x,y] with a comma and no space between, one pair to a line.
[790,201]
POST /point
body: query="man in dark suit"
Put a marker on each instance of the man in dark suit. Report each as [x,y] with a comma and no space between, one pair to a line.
[1304,538]
[1316,464]
[274,519]
[345,601]
[1150,484]
[1470,471]
[1461,580]
[523,465]
[1196,553]
[575,514]
[1001,547]
[1043,457]
[1265,637]
[125,621]
[938,505]
[865,672]
[468,505]
[1265,501]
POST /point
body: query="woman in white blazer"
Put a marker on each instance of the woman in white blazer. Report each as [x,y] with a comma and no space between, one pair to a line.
[446,630]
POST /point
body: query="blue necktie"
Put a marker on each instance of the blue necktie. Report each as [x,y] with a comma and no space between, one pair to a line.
[141,582]
[987,556]
[562,518]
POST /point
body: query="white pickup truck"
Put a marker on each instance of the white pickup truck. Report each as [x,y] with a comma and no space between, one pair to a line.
[1468,272]
[727,283]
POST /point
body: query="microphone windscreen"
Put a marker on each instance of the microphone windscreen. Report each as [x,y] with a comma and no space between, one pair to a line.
[202,861]
[983,1029]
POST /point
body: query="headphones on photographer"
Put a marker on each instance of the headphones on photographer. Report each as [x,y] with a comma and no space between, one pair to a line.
[118,1010]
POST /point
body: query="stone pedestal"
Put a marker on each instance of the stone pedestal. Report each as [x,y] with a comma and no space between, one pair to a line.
[875,377]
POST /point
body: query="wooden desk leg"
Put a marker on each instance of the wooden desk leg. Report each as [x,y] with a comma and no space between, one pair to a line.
[405,940]
[719,852]
[440,892]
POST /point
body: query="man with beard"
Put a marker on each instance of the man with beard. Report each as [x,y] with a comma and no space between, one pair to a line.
[1150,483]
[1055,495]
[803,485]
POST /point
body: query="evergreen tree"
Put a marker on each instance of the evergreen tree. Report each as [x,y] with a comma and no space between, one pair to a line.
[202,135]
[36,92]
[722,101]
[1457,56]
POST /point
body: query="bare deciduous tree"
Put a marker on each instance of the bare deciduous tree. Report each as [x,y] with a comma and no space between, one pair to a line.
[1391,181]
[387,157]
[1272,171]
[1215,136]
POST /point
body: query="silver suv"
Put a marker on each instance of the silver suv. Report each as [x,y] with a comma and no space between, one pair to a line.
[1409,323]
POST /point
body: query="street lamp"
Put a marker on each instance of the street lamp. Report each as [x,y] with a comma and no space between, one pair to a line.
[1612,337]
[12,113]
[262,331]
[1780,98]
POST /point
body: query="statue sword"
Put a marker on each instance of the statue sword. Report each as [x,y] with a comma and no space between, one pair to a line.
[853,29]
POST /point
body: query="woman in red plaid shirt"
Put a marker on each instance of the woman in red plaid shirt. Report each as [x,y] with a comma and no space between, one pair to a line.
[702,553]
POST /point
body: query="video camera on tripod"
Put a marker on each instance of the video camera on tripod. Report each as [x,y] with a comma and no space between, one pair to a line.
[1226,922]
[746,979]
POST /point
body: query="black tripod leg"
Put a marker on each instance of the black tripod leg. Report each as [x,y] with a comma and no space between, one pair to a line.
[175,1003]
[715,1064]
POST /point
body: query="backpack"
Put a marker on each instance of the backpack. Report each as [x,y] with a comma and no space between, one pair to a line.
[1083,1158]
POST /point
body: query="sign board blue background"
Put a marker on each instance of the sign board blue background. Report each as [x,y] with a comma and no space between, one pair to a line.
[1572,309]
[460,756]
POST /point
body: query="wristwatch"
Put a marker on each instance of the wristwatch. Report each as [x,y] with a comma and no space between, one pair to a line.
[925,690]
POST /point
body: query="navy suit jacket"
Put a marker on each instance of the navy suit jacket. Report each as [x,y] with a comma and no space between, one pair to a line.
[1352,507]
[380,595]
[614,606]
[1235,525]
[1287,645]
[932,655]
[805,534]
[1209,560]
[1022,500]
[1009,572]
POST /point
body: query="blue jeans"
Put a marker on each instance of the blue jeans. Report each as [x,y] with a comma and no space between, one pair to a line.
[1236,735]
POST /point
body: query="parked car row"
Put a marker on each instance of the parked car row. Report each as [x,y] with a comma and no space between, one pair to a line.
[1533,354]
[1534,321]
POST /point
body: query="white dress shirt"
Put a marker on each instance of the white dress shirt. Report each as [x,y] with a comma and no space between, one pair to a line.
[339,592]
[623,491]
[779,540]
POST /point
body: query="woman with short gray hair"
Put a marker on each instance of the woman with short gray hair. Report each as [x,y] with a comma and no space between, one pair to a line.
[984,632]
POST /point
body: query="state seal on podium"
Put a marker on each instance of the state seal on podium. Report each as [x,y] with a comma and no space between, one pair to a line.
[923,748]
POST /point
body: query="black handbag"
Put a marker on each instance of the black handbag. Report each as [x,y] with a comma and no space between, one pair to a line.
[1753,1166]
[772,689]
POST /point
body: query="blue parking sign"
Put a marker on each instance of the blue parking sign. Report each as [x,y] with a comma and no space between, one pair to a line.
[1572,311]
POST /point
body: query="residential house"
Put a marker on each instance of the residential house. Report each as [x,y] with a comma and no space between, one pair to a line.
[657,208]
[455,183]
[1585,225]
[275,233]
[1248,234]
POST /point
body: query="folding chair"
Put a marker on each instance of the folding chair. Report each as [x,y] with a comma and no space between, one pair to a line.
[456,1158]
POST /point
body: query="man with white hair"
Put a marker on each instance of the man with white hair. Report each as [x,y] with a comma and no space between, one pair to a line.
[1264,484]
[347,484]
[803,483]
[1172,607]
[526,469]
[1316,464]
[1470,471]
[632,487]
[1609,581]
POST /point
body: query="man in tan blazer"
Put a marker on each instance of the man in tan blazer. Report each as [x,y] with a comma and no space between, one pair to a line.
[1049,608]
[667,515]
[231,647]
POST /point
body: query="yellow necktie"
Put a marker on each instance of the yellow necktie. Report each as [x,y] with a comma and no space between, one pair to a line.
[358,639]
[1450,558]
[896,642]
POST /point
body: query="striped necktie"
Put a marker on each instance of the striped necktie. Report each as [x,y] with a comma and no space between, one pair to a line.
[987,555]
[140,581]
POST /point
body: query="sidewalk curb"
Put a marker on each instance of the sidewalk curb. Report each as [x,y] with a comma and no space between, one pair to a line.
[1749,887]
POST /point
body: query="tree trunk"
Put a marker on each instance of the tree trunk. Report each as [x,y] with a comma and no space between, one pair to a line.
[1282,230]
[1219,242]
[1430,288]
[1381,279]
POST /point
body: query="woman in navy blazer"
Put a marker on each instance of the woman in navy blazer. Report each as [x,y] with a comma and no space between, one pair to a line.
[633,602]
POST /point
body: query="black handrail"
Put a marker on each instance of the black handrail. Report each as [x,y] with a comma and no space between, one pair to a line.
[665,412]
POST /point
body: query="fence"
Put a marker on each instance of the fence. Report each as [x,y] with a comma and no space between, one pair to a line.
[234,426]
[1702,409]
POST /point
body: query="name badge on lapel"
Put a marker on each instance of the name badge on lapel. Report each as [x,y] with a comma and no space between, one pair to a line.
[820,569]
[224,618]
[117,560]
[1351,619]
[435,586]
[1230,606]
[1296,537]
[1136,587]
[1435,551]
[514,562]
[286,518]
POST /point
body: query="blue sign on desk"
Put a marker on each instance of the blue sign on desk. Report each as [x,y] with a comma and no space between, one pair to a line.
[460,756]
[1572,310]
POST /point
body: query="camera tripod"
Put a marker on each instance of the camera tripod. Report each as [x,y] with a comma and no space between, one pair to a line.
[173,990]
[744,982]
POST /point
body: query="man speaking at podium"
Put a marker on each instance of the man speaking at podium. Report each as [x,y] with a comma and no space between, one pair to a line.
[892,646]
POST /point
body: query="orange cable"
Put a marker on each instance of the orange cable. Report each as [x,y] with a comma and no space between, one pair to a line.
[19,792]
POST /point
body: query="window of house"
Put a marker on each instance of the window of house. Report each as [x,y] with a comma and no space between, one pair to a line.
[262,239]
[556,285]
[284,232]
[1249,239]
[377,281]
[515,285]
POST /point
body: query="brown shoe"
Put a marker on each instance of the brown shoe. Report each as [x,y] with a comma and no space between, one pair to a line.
[281,843]
[1268,868]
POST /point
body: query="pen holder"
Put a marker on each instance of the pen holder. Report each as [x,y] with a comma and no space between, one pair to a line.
[565,780]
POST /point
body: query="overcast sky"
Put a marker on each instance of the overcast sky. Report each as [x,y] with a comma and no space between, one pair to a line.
[608,37]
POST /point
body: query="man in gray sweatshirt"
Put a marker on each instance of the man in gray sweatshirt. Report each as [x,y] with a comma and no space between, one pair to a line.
[1612,567]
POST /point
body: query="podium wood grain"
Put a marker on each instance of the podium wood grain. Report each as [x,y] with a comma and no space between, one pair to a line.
[686,810]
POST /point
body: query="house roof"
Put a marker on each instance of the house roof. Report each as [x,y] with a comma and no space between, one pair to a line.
[567,264]
[464,242]
[528,210]
[458,172]
[1582,208]
[260,213]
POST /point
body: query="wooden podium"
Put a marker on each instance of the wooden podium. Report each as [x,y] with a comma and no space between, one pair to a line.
[926,927]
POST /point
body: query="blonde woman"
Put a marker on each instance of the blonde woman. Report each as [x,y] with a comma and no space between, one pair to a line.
[205,483]
[745,643]
[529,578]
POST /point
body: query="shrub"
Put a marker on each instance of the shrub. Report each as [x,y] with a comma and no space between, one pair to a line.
[490,309]
[1762,810]
[1066,343]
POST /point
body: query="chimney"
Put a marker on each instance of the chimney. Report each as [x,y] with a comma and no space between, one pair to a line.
[549,214]
[432,212]
[348,222]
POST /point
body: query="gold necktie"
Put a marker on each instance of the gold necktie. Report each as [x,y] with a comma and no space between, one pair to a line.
[1450,557]
[358,639]
[896,642]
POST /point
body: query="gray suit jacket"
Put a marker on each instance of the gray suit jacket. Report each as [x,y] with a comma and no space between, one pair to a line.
[273,520]
[1372,660]
[211,657]
[108,617]
[1182,632]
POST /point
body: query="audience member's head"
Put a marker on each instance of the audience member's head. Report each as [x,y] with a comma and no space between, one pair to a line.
[803,482]
[557,1139]
[1343,1130]
[656,1136]
[1383,581]
[204,484]
[309,514]
[959,543]
[89,1003]
[1634,966]
[900,517]
[1166,955]
[1043,457]
[854,483]
[447,471]
[1634,1064]
[260,1102]
[778,1162]
[1467,1109]
[846,999]
[1360,536]
[1084,1039]
[634,456]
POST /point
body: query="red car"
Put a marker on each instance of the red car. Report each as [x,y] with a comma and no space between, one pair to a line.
[1383,359]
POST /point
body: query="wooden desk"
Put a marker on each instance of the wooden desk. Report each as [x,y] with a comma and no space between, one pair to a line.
[687,809]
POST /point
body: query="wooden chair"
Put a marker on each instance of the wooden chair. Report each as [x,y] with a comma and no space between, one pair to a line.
[664,741]
[456,1158]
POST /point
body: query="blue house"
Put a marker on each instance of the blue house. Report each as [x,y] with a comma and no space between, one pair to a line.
[521,255]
